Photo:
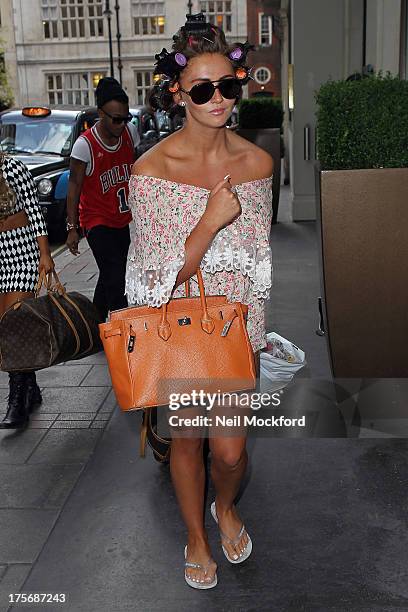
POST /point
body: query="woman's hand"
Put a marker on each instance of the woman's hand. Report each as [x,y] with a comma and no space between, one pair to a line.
[223,206]
[73,241]
[46,264]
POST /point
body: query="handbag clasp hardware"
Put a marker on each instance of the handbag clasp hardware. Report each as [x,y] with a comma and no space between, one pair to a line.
[131,343]
[228,324]
[184,321]
[225,329]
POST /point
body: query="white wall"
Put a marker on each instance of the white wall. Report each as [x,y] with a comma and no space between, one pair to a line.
[383,34]
[318,54]
[9,46]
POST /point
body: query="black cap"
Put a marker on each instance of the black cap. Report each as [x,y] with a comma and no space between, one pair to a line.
[109,89]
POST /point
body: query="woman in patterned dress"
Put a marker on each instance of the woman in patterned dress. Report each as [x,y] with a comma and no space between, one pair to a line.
[24,253]
[187,215]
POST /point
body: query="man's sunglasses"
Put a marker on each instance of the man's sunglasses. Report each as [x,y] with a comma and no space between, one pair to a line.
[203,92]
[118,120]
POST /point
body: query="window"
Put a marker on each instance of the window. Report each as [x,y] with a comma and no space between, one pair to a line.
[72,87]
[265,29]
[144,81]
[262,75]
[49,10]
[148,18]
[72,18]
[50,134]
[218,12]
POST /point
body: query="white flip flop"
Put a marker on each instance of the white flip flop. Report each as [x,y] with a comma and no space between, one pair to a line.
[248,548]
[194,583]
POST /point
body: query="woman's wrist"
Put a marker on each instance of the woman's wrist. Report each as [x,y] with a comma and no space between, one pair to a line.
[44,246]
[208,225]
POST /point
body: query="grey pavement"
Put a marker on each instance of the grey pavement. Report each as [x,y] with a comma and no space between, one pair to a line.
[82,514]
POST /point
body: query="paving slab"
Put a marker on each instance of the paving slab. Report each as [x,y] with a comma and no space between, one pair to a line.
[66,376]
[12,581]
[97,376]
[65,446]
[62,400]
[36,486]
[15,525]
[16,447]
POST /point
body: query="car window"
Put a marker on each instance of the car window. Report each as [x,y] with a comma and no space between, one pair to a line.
[37,136]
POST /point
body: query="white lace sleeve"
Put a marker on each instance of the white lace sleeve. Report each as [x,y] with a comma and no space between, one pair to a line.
[252,259]
[155,286]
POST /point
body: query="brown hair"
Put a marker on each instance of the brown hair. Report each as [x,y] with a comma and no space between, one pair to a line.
[7,194]
[193,39]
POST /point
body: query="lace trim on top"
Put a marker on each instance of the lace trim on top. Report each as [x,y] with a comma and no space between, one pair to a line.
[155,286]
[152,287]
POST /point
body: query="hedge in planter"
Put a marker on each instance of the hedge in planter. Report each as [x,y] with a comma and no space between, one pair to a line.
[260,113]
[363,185]
[363,124]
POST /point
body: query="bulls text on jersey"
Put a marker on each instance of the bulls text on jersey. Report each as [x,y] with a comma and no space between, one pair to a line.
[114,176]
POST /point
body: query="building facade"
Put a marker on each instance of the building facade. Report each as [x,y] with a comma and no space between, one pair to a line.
[264,33]
[8,57]
[331,39]
[62,49]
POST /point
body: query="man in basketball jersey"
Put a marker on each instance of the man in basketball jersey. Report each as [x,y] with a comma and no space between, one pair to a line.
[100,166]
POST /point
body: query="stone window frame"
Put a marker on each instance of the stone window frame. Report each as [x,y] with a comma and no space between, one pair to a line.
[265,33]
[66,87]
[219,13]
[142,84]
[72,19]
[149,17]
[268,75]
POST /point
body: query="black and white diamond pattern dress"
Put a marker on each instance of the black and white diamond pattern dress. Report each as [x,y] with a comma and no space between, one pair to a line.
[19,252]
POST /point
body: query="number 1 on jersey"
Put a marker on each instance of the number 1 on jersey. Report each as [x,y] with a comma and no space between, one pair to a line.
[123,205]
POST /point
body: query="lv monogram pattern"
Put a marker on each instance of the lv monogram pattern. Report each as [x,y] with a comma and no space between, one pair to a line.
[37,334]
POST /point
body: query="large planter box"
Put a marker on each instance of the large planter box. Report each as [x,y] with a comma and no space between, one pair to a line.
[269,140]
[363,216]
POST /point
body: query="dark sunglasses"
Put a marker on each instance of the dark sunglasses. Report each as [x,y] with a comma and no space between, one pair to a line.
[118,120]
[203,92]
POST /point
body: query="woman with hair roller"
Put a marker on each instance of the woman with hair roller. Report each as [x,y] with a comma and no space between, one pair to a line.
[202,197]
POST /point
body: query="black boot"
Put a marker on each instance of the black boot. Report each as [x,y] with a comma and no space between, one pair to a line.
[17,413]
[33,395]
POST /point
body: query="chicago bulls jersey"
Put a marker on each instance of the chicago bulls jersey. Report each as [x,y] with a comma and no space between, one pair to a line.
[105,188]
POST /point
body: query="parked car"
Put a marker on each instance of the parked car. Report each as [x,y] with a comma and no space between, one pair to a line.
[146,122]
[42,138]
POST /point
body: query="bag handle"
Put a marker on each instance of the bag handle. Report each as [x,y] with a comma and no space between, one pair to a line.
[207,323]
[51,282]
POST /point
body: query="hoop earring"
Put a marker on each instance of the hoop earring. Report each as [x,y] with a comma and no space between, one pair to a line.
[182,103]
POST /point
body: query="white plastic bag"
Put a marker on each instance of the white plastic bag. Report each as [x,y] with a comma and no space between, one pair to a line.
[279,363]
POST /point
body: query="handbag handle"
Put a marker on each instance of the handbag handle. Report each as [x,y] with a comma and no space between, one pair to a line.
[207,323]
[51,282]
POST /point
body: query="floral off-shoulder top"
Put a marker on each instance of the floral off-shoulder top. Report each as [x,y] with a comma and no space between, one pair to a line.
[237,264]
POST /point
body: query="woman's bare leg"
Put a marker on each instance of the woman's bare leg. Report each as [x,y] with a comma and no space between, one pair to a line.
[7,299]
[229,459]
[188,475]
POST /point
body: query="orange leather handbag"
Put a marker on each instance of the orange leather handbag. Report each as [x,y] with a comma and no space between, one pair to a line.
[190,344]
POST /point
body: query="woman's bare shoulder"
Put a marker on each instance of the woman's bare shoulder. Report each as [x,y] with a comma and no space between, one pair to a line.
[153,161]
[257,162]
